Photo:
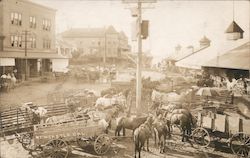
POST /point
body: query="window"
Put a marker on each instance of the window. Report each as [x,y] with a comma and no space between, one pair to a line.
[16,41]
[16,18]
[46,24]
[32,22]
[46,43]
[32,42]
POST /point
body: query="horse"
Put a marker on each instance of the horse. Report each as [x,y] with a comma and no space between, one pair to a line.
[131,122]
[161,130]
[112,113]
[183,119]
[142,134]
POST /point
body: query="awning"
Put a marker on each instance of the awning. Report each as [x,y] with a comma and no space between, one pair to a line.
[238,58]
[7,61]
[31,55]
[203,56]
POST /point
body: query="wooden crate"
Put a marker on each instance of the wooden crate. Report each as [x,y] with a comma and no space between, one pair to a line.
[207,122]
[233,124]
[246,126]
[220,123]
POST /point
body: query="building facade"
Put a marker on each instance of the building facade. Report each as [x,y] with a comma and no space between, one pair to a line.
[27,37]
[105,44]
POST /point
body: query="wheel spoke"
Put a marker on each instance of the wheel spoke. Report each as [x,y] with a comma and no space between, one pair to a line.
[247,141]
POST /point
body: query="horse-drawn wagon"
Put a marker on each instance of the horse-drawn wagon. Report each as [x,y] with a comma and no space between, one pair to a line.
[22,119]
[57,139]
[228,128]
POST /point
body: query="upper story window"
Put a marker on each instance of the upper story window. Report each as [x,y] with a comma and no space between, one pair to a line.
[46,24]
[16,41]
[32,41]
[16,18]
[32,22]
[46,44]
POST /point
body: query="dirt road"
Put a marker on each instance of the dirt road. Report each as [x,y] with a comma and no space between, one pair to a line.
[37,92]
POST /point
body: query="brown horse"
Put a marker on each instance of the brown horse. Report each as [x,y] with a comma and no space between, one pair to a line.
[142,134]
[161,130]
[131,123]
[112,113]
[183,119]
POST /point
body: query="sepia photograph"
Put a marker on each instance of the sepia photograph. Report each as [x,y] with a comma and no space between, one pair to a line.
[124,78]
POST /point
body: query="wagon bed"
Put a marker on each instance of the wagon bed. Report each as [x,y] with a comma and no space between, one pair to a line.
[21,120]
[217,127]
[67,130]
[56,139]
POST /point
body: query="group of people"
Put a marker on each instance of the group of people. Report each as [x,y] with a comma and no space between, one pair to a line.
[7,81]
[238,86]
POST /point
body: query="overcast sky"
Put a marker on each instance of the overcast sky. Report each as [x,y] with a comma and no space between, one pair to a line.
[172,22]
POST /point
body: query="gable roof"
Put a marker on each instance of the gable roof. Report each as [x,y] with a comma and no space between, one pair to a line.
[234,27]
[238,58]
[88,32]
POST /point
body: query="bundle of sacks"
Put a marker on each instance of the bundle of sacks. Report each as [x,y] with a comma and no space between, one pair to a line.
[81,98]
[167,97]
[108,100]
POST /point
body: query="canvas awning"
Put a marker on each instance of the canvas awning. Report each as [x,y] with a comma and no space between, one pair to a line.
[7,61]
[238,58]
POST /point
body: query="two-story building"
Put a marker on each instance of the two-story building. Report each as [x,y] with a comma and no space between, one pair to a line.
[104,44]
[27,38]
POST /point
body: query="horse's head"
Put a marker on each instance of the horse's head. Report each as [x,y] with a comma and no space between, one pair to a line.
[150,120]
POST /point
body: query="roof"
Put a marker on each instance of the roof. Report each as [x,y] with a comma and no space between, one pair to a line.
[88,32]
[238,58]
[198,59]
[205,40]
[234,27]
[31,55]
[183,53]
[39,5]
[122,34]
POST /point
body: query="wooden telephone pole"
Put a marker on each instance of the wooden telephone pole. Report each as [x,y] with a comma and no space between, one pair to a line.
[139,55]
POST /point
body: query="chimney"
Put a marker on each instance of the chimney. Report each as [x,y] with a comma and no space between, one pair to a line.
[178,49]
[204,42]
[190,48]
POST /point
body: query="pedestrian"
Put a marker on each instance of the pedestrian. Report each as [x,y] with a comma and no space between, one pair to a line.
[36,116]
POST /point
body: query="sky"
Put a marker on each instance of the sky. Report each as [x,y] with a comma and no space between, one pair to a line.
[171,22]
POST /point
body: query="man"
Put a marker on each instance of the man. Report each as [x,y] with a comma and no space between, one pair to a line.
[39,115]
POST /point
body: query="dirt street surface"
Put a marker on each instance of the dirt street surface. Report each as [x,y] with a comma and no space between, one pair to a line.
[37,92]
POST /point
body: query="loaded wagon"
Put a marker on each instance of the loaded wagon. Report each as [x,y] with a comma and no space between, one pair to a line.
[229,128]
[57,139]
[22,120]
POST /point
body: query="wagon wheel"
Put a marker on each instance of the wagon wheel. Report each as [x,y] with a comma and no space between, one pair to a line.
[240,144]
[102,144]
[26,140]
[201,137]
[56,148]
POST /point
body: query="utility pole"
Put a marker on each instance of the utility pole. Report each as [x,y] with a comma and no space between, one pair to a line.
[25,51]
[26,33]
[139,54]
[105,49]
[138,70]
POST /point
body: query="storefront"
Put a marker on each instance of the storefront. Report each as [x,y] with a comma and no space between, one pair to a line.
[7,65]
